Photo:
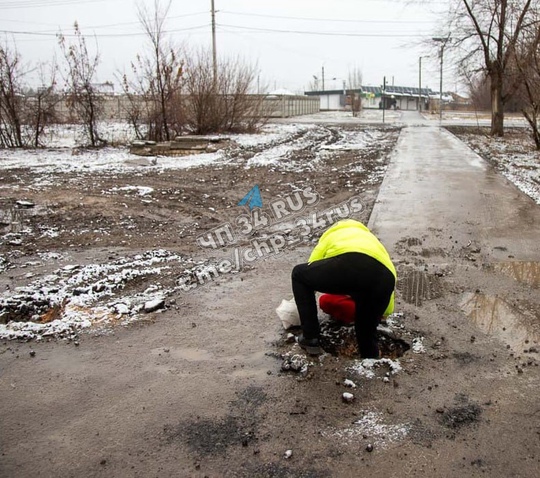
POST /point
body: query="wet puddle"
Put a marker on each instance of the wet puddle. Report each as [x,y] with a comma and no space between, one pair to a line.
[495,316]
[255,365]
[526,272]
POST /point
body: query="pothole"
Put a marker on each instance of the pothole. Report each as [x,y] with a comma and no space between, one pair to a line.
[341,341]
[526,272]
[417,286]
[495,316]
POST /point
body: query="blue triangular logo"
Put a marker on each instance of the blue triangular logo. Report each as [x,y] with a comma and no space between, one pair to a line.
[252,198]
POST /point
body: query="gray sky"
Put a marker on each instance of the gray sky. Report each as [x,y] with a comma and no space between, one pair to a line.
[290,40]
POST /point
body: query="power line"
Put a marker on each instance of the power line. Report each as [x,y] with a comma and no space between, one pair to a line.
[326,20]
[41,3]
[102,35]
[275,45]
[110,25]
[306,32]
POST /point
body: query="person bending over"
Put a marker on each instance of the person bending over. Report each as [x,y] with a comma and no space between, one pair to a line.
[347,260]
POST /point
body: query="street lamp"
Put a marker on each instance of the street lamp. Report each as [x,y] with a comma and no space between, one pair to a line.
[344,83]
[443,41]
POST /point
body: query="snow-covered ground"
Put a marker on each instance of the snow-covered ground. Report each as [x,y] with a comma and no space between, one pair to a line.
[514,156]
[58,295]
[279,146]
[79,296]
[276,143]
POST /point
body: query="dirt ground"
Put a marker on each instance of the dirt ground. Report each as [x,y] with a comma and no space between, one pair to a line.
[208,383]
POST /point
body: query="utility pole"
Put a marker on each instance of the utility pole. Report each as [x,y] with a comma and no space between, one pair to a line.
[443,44]
[440,86]
[383,98]
[214,49]
[323,77]
[420,84]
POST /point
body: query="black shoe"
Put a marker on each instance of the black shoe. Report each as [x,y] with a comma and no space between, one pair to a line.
[311,346]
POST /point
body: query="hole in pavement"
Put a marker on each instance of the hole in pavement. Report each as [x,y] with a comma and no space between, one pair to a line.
[495,316]
[339,340]
[526,272]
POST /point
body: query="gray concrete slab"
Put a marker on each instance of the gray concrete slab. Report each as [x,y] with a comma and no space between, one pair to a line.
[441,192]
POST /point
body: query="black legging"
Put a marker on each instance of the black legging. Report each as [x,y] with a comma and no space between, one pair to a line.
[366,280]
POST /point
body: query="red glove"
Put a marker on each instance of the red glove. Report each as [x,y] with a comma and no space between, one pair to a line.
[339,307]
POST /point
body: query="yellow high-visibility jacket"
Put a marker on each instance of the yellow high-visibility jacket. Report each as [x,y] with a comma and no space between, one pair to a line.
[352,236]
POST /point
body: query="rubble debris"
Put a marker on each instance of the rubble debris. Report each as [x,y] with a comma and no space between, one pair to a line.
[180,146]
[296,363]
[153,305]
[347,397]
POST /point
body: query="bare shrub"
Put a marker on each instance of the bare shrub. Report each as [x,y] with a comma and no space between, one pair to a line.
[11,98]
[24,115]
[224,103]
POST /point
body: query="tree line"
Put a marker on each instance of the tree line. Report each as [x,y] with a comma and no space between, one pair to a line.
[496,44]
[171,90]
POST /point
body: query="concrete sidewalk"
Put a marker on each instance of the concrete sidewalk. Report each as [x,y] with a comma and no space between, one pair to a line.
[465,243]
[436,183]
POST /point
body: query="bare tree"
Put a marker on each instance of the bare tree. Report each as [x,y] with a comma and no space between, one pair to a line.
[11,98]
[527,64]
[23,115]
[355,78]
[83,96]
[355,83]
[487,32]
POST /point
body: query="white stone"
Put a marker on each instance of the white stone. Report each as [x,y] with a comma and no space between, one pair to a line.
[121,309]
[153,305]
[347,397]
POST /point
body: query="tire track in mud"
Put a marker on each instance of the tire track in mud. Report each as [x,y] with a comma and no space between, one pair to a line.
[309,140]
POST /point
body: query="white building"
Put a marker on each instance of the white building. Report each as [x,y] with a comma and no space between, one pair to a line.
[398,97]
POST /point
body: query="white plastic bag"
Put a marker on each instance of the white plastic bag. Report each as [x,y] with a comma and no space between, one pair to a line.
[288,313]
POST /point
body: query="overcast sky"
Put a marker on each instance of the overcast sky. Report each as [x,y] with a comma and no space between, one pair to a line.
[289,40]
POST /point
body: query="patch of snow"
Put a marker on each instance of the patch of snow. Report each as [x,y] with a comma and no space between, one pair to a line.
[4,263]
[271,134]
[69,295]
[154,304]
[140,190]
[110,160]
[50,256]
[51,232]
[418,346]
[372,426]
[366,367]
